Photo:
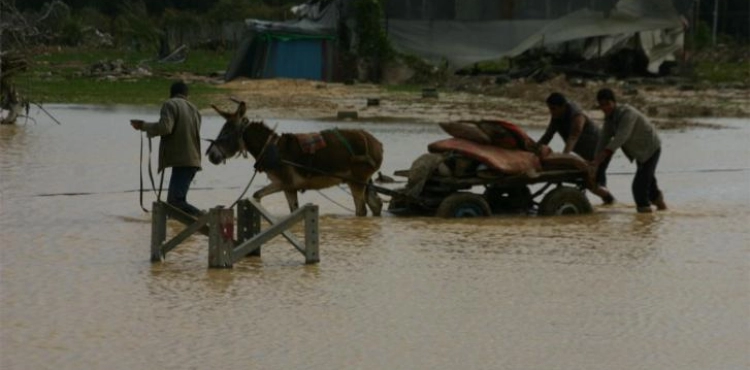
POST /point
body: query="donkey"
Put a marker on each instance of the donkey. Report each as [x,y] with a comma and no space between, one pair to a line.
[292,164]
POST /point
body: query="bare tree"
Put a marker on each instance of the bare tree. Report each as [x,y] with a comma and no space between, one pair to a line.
[18,35]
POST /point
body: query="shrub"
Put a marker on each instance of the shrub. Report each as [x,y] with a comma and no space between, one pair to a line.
[71,33]
[135,28]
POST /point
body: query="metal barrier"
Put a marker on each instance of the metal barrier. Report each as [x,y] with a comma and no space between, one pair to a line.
[219,223]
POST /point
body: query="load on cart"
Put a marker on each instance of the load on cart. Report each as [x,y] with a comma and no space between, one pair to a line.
[486,167]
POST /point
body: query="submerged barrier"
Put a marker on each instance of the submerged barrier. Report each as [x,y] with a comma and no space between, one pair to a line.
[219,225]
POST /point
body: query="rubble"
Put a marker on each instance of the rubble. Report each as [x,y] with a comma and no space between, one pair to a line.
[116,69]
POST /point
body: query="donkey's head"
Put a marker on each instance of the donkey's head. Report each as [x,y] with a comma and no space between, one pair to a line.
[229,141]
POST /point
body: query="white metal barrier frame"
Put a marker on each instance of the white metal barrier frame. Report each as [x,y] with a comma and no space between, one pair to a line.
[219,224]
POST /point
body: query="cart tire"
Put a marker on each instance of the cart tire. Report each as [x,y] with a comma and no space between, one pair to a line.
[565,200]
[459,205]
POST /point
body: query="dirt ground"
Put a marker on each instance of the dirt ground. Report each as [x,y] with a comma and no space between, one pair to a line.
[669,103]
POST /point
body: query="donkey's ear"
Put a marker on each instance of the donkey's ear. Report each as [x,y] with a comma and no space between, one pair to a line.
[222,113]
[241,109]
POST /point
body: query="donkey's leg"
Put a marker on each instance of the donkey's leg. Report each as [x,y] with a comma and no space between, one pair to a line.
[266,190]
[291,198]
[358,193]
[374,201]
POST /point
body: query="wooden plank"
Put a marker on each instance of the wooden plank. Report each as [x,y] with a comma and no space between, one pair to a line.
[158,231]
[271,232]
[401,173]
[220,238]
[184,234]
[248,224]
[396,194]
[311,235]
[182,217]
[272,220]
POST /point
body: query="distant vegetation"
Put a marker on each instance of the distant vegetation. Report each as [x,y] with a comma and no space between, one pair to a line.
[55,45]
[68,75]
[148,25]
[140,25]
[50,48]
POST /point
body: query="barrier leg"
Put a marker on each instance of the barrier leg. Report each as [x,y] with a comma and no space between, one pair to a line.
[248,224]
[311,234]
[220,238]
[158,231]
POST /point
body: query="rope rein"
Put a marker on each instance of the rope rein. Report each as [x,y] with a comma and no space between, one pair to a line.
[243,151]
[150,174]
[335,202]
[140,177]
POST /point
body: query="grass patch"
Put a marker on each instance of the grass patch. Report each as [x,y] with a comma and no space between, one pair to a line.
[62,76]
[70,60]
[722,72]
[151,91]
[494,66]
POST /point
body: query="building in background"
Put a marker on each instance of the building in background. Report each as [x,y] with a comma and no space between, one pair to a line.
[460,33]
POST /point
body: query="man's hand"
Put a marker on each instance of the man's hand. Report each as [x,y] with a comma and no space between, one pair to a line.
[593,165]
[600,157]
[137,124]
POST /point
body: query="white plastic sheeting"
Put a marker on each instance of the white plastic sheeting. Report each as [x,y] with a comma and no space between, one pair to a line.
[657,26]
[463,32]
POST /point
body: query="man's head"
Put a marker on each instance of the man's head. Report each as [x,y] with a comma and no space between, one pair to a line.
[556,104]
[178,88]
[606,99]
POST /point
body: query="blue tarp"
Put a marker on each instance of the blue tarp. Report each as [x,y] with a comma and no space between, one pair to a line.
[301,58]
[267,55]
[300,49]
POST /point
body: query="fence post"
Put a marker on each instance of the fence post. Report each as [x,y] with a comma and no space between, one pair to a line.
[158,231]
[311,234]
[220,237]
[248,224]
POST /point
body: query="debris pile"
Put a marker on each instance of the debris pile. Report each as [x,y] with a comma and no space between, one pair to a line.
[116,69]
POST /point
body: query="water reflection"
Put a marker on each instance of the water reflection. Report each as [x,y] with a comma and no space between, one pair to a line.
[349,230]
[577,240]
[13,140]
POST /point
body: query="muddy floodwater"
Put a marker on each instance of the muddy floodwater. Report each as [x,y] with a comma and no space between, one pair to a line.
[611,290]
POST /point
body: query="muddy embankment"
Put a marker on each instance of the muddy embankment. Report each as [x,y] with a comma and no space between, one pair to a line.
[671,103]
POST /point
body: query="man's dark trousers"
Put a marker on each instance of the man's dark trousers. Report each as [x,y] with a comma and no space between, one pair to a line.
[645,189]
[179,184]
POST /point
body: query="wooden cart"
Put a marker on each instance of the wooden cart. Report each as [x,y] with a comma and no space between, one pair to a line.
[457,185]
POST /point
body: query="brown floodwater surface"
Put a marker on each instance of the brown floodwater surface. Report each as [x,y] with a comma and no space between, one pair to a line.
[610,290]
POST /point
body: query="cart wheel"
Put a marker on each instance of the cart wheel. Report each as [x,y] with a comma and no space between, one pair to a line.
[565,200]
[463,205]
[504,199]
